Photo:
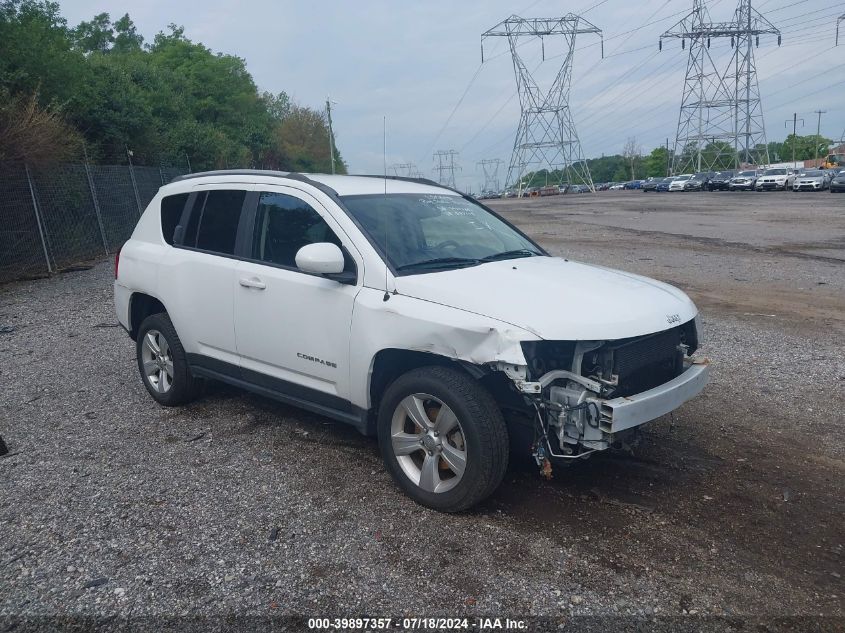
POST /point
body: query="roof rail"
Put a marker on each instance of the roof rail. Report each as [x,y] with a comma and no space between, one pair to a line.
[244,172]
[422,181]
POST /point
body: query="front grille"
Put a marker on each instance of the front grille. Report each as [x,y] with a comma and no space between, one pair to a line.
[642,362]
[630,358]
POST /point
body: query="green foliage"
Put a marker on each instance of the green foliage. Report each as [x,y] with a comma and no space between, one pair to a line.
[165,101]
[657,162]
[806,148]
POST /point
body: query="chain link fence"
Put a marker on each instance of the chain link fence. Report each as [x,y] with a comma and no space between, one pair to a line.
[55,217]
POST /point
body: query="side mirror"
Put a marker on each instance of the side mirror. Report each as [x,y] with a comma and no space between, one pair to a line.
[323,258]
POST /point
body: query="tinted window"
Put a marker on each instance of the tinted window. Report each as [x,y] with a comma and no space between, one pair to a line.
[218,213]
[285,224]
[171,212]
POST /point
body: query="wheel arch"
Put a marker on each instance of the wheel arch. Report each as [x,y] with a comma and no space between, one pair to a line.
[142,305]
[388,364]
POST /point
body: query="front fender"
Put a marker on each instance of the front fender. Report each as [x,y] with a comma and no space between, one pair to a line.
[417,325]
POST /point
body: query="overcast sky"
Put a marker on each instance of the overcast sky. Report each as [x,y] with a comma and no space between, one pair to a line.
[413,61]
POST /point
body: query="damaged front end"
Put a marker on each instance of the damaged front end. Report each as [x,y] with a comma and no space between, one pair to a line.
[590,395]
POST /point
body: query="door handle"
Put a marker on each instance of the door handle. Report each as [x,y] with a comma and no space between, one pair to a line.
[252,282]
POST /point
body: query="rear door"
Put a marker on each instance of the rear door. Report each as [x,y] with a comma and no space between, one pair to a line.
[198,276]
[293,328]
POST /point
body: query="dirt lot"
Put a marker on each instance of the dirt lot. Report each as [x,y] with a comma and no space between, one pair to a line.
[111,505]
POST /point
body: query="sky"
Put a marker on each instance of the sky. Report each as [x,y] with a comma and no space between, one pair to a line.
[418,65]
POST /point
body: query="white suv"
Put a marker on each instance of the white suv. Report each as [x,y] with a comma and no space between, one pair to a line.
[679,182]
[406,309]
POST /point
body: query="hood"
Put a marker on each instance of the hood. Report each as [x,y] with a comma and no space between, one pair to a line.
[556,299]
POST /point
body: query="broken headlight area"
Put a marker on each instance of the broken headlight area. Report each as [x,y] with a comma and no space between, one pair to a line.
[578,389]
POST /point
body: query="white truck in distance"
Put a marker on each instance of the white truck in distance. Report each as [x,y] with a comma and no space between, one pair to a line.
[406,309]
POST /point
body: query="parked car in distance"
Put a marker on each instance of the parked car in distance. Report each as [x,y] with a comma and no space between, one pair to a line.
[549,190]
[744,181]
[837,185]
[633,184]
[663,184]
[721,180]
[650,185]
[777,178]
[617,186]
[407,310]
[563,187]
[603,186]
[678,182]
[699,181]
[580,189]
[813,180]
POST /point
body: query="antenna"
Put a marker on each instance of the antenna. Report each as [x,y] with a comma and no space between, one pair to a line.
[386,219]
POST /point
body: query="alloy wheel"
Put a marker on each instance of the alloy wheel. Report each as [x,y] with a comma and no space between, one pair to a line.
[157,360]
[428,442]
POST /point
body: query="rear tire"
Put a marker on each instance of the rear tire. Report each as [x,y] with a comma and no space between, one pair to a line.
[449,471]
[163,363]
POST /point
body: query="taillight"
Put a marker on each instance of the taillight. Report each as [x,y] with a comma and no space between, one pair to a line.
[116,262]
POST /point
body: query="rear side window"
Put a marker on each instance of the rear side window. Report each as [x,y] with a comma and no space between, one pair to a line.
[171,213]
[285,224]
[214,221]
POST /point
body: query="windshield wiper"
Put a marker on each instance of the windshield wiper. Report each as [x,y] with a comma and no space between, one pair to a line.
[439,262]
[520,252]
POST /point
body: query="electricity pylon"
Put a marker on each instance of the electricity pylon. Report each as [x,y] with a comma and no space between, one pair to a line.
[408,170]
[490,166]
[721,116]
[546,134]
[446,167]
[838,22]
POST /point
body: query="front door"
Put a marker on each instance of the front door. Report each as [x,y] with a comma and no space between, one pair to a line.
[292,328]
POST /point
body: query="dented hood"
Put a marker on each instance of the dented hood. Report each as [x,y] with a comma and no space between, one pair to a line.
[556,299]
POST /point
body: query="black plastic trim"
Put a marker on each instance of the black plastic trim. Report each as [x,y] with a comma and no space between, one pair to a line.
[283,391]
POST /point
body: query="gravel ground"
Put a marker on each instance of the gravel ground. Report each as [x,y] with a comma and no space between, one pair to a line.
[236,505]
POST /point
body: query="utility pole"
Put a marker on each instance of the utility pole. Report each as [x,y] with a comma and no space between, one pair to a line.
[720,109]
[795,120]
[546,134]
[331,133]
[446,167]
[818,131]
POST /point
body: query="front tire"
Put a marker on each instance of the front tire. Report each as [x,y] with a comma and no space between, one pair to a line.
[163,363]
[442,438]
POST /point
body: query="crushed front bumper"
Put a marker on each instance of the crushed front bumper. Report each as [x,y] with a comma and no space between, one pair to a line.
[619,414]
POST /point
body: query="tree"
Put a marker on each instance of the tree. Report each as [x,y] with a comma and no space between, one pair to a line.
[631,153]
[126,39]
[164,100]
[302,142]
[33,134]
[96,36]
[805,147]
[657,163]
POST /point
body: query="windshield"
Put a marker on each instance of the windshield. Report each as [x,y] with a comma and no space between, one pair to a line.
[425,232]
[775,172]
[747,173]
[812,174]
